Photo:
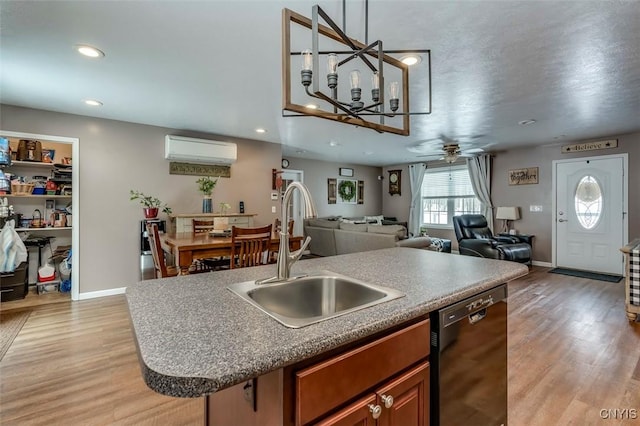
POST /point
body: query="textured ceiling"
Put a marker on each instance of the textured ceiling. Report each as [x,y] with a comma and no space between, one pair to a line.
[215,66]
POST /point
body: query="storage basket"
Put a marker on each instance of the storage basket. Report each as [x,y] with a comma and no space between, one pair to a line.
[37,221]
[21,188]
[29,150]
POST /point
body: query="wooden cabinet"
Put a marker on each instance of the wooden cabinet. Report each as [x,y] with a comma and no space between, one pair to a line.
[402,401]
[182,222]
[387,375]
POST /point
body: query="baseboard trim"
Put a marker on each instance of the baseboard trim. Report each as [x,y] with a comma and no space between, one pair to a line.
[102,293]
[545,264]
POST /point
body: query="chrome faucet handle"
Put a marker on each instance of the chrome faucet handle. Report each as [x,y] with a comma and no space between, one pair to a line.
[298,253]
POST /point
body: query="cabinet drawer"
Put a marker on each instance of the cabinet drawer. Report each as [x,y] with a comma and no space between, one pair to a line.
[239,221]
[330,383]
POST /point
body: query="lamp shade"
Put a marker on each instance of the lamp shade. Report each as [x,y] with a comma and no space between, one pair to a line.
[508,213]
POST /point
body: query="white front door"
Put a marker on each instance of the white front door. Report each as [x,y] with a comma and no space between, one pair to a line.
[590,218]
[295,209]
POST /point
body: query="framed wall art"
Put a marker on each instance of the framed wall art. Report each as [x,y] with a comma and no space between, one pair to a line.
[346,172]
[526,176]
[347,191]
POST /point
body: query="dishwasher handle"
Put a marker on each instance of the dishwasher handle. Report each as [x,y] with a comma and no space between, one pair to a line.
[472,305]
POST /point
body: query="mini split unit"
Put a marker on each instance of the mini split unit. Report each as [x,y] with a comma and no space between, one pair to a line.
[199,151]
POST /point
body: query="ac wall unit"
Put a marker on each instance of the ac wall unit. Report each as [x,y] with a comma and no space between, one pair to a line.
[199,151]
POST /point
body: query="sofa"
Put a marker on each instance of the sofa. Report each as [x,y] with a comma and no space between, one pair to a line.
[333,236]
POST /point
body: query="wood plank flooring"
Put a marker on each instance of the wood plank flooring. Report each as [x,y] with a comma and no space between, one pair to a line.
[572,353]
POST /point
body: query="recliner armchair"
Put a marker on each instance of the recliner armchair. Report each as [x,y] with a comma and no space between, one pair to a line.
[476,239]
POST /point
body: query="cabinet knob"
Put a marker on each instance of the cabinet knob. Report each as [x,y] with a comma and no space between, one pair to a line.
[388,400]
[376,410]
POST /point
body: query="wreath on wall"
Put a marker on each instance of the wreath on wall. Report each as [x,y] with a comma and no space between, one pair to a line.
[347,190]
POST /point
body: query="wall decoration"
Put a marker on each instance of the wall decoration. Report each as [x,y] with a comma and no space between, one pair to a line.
[332,190]
[346,172]
[523,176]
[347,191]
[395,182]
[360,192]
[176,168]
[590,146]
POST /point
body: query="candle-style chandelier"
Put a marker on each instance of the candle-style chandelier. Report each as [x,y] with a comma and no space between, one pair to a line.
[330,100]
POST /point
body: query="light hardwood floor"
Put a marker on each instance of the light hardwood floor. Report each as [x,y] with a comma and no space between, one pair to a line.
[572,353]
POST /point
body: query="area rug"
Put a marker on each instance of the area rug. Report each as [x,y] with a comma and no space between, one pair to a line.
[587,274]
[10,325]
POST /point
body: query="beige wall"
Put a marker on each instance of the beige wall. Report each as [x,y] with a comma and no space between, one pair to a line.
[538,224]
[316,174]
[117,156]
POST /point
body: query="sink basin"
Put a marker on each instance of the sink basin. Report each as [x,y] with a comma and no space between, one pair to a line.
[317,297]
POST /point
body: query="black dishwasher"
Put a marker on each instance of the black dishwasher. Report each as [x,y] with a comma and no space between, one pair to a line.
[469,361]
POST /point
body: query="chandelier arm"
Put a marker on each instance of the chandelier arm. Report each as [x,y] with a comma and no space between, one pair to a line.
[337,104]
[340,33]
[313,95]
[359,53]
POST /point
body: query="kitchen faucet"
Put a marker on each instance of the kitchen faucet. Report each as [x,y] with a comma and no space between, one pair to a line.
[286,259]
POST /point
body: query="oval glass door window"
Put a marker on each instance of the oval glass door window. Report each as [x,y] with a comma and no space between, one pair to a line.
[588,202]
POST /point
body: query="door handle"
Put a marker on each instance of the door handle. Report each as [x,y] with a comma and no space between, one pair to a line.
[563,220]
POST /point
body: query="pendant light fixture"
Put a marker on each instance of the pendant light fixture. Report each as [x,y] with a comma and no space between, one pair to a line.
[348,62]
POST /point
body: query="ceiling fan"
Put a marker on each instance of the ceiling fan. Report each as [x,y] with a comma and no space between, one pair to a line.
[450,148]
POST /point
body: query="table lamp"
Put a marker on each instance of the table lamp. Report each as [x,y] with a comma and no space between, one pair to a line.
[506,214]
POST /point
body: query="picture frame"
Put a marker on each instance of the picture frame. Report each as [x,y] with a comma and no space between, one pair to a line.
[347,191]
[346,172]
[525,176]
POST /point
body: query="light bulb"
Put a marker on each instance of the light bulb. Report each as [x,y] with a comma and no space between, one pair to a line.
[307,60]
[375,81]
[355,79]
[394,90]
[332,63]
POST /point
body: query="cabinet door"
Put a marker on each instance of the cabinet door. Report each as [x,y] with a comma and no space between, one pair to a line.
[409,405]
[357,414]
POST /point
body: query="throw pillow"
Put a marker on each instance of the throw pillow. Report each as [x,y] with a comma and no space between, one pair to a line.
[374,219]
[357,227]
[399,230]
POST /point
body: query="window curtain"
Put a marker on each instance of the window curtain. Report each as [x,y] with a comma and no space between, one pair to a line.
[416,175]
[480,175]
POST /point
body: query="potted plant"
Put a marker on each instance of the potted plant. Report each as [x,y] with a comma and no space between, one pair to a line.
[150,204]
[206,186]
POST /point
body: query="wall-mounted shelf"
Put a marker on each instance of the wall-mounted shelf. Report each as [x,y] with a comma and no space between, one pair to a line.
[43,196]
[44,229]
[31,164]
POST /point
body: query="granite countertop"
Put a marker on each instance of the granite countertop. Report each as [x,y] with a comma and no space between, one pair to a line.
[196,337]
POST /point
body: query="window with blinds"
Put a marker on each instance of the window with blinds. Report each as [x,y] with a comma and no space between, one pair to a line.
[447,192]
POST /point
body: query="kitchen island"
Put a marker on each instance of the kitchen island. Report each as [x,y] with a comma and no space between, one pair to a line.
[196,338]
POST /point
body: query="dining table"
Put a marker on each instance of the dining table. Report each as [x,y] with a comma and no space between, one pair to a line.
[187,247]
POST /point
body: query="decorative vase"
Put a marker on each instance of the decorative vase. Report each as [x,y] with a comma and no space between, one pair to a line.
[207,205]
[150,212]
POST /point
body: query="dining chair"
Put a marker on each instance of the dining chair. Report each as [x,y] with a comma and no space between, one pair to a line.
[159,261]
[203,227]
[277,227]
[250,246]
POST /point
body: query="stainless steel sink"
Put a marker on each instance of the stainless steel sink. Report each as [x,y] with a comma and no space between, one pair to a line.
[298,302]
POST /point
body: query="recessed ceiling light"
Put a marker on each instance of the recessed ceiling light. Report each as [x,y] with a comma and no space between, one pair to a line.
[261,130]
[93,102]
[333,143]
[311,106]
[368,153]
[411,59]
[89,51]
[526,122]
